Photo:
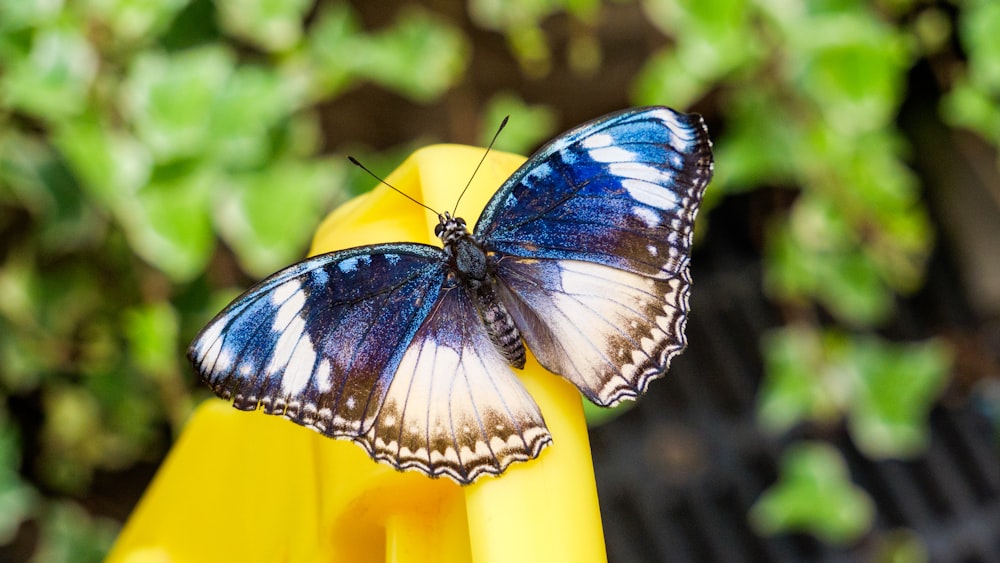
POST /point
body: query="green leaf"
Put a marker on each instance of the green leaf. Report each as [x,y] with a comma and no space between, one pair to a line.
[71,535]
[761,143]
[711,41]
[884,390]
[20,14]
[63,219]
[71,437]
[597,416]
[420,56]
[800,384]
[972,107]
[110,164]
[267,217]
[814,495]
[528,126]
[332,44]
[152,333]
[817,256]
[254,101]
[134,21]
[53,80]
[664,79]
[979,27]
[168,223]
[895,389]
[273,25]
[851,65]
[170,99]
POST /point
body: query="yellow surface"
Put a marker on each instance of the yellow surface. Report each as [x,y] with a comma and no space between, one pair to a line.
[251,487]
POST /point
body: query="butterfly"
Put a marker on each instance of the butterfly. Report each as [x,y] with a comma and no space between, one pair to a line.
[582,255]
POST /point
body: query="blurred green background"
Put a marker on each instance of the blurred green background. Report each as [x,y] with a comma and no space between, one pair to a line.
[157,156]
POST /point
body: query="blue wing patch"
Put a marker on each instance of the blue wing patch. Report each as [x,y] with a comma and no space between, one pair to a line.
[406,348]
[621,191]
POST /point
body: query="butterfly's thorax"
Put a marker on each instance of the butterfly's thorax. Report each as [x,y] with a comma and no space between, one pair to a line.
[470,266]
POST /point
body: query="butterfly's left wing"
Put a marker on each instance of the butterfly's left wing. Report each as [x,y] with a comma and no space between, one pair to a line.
[374,345]
[593,235]
[319,341]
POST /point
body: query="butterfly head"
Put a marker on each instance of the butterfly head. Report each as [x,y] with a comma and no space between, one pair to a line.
[450,228]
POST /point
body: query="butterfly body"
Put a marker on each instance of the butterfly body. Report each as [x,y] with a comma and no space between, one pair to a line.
[471,266]
[581,257]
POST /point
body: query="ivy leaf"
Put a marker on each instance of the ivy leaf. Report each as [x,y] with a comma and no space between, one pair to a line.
[814,495]
[853,67]
[420,56]
[170,99]
[69,533]
[135,21]
[528,126]
[152,332]
[169,225]
[268,216]
[110,164]
[895,387]
[979,26]
[884,390]
[52,81]
[274,25]
[799,383]
[254,101]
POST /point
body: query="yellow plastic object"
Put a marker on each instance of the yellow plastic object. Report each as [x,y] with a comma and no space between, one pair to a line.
[251,487]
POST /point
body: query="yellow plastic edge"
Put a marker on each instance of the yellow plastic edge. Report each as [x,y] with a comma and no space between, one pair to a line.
[252,487]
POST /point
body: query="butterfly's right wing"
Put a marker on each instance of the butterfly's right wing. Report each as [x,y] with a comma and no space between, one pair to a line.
[319,341]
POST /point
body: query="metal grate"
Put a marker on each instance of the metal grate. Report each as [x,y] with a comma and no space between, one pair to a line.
[678,473]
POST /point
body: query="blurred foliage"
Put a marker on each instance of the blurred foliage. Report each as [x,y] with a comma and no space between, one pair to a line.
[137,135]
[132,135]
[810,94]
[885,391]
[815,494]
[534,124]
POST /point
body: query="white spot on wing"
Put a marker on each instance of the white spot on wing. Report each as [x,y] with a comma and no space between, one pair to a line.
[348,265]
[300,367]
[288,310]
[641,171]
[286,345]
[212,336]
[284,291]
[323,376]
[647,216]
[611,154]
[651,194]
[597,141]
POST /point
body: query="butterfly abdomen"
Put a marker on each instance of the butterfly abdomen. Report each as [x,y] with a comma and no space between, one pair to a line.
[500,325]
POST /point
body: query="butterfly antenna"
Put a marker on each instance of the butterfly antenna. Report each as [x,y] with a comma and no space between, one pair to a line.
[481,161]
[355,162]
